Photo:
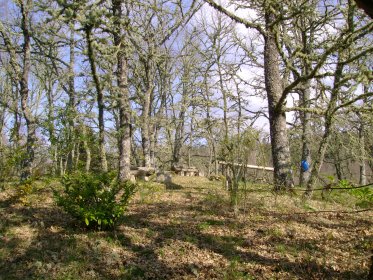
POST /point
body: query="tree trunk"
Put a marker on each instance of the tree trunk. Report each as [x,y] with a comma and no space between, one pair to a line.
[239,113]
[307,40]
[306,134]
[211,136]
[123,93]
[319,158]
[14,135]
[164,88]
[191,133]
[71,111]
[86,148]
[2,118]
[145,127]
[51,127]
[362,177]
[209,167]
[62,168]
[77,156]
[283,178]
[135,153]
[149,84]
[100,100]
[24,91]
[225,103]
[338,170]
[179,136]
[153,144]
[180,123]
[315,168]
[55,161]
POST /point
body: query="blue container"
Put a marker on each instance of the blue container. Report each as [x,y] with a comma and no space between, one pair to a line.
[305,165]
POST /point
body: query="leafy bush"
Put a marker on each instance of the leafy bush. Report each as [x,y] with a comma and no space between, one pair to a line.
[10,162]
[364,195]
[24,190]
[98,200]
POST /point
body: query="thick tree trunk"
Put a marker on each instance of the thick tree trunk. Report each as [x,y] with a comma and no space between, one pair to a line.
[123,94]
[100,100]
[180,127]
[24,91]
[124,122]
[149,83]
[279,139]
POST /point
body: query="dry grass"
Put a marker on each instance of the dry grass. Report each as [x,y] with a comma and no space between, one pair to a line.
[185,230]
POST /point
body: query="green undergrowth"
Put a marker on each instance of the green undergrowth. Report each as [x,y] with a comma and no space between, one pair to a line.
[97,200]
[150,192]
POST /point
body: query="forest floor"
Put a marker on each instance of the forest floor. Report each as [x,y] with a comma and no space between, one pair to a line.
[186,231]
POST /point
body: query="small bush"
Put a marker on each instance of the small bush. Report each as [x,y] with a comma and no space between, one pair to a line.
[24,190]
[364,196]
[97,200]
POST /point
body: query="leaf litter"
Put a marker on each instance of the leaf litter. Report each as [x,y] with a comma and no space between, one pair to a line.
[188,232]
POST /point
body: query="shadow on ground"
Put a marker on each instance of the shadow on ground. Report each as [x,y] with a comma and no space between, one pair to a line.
[228,246]
[55,247]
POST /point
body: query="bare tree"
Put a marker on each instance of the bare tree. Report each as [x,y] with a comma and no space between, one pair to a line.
[120,27]
[21,73]
[100,96]
[275,94]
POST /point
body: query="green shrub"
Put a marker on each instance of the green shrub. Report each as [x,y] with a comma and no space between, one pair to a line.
[364,196]
[97,200]
[24,190]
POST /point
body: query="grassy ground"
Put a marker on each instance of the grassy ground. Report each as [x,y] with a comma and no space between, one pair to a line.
[186,231]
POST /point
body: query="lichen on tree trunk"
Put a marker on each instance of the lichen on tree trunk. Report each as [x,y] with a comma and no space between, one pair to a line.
[124,141]
[279,139]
